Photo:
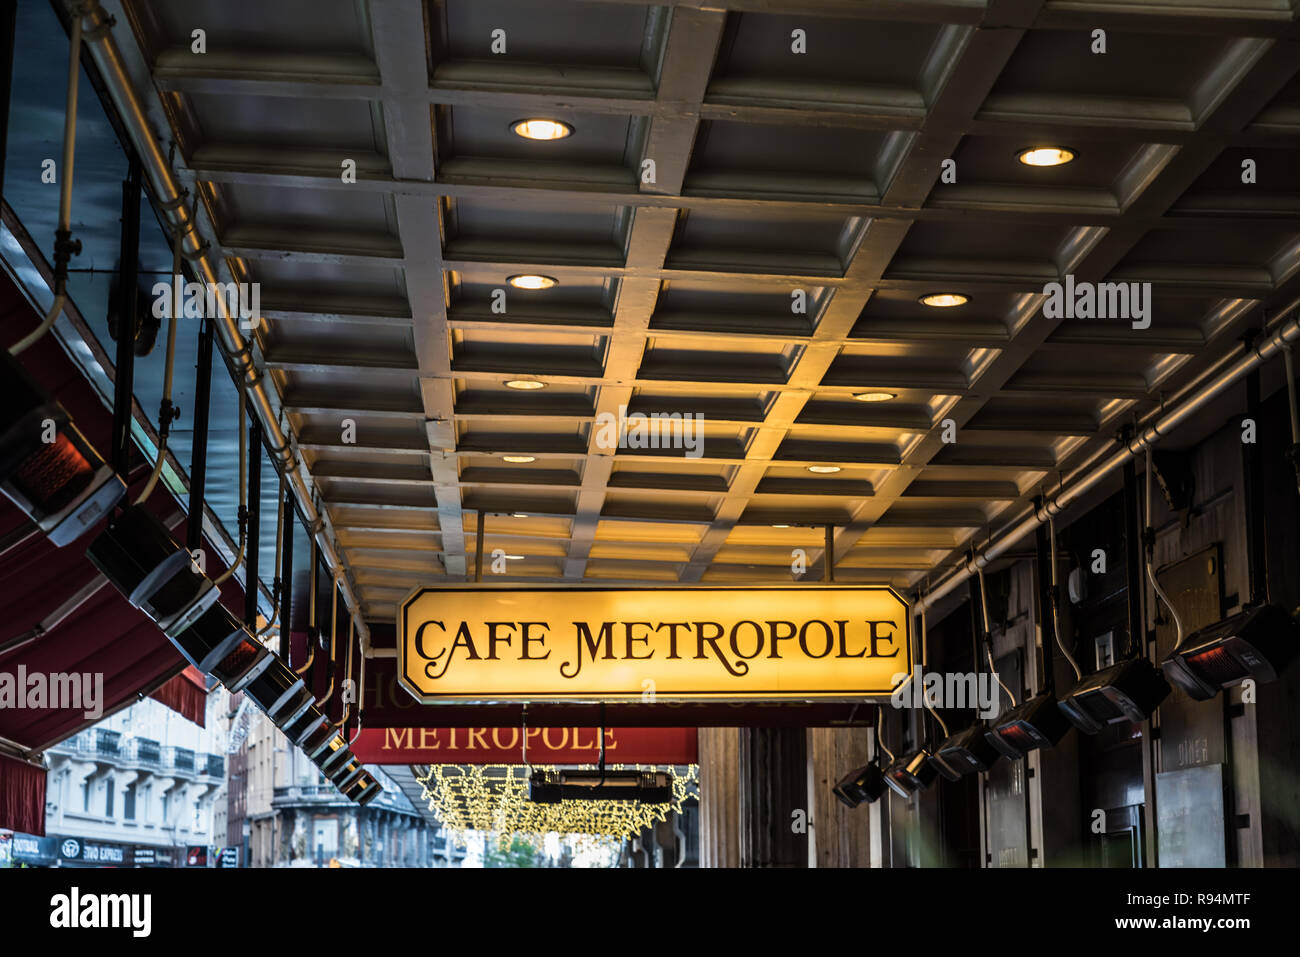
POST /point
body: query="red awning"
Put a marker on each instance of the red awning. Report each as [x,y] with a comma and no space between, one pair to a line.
[104,635]
[186,694]
[22,796]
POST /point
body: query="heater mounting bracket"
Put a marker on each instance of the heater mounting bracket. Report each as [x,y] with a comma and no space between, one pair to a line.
[1176,478]
[1236,710]
[1242,821]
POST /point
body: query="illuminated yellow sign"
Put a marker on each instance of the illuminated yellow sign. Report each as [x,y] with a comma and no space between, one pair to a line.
[596,644]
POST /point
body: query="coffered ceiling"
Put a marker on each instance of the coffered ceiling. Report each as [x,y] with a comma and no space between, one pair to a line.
[779,177]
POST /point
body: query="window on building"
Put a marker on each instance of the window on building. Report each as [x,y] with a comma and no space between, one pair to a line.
[128,802]
[108,797]
[85,795]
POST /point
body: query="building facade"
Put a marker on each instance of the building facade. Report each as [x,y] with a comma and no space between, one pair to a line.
[144,777]
[282,812]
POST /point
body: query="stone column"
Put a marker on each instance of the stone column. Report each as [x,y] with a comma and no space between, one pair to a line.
[719,797]
[841,836]
[773,797]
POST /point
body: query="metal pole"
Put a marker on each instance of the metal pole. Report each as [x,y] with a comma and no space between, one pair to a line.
[1133,562]
[254,522]
[1256,522]
[828,559]
[127,292]
[286,575]
[9,28]
[199,442]
[166,189]
[1285,330]
[1046,625]
[478,547]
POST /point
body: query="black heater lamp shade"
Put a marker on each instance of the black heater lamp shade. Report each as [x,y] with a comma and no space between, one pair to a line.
[1256,643]
[142,560]
[47,468]
[357,786]
[306,726]
[280,693]
[211,638]
[1033,724]
[332,755]
[365,790]
[967,752]
[1127,691]
[864,784]
[911,773]
[646,787]
[248,659]
[346,773]
[318,739]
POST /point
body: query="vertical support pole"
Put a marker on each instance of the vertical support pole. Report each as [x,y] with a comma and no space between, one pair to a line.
[828,559]
[1043,612]
[478,547]
[1256,521]
[313,567]
[254,521]
[8,28]
[127,294]
[1135,582]
[199,442]
[286,573]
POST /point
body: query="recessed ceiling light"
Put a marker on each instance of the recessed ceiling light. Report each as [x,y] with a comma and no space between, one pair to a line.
[526,385]
[823,469]
[533,281]
[875,396]
[518,515]
[944,300]
[519,459]
[541,129]
[514,558]
[1046,156]
[780,526]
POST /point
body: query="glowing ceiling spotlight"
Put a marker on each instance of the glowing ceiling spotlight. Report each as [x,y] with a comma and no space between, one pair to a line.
[1046,156]
[944,300]
[540,128]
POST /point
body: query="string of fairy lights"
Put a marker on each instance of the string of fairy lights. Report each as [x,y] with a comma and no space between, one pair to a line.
[494,799]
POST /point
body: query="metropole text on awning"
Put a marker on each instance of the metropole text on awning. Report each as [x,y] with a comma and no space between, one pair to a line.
[566,643]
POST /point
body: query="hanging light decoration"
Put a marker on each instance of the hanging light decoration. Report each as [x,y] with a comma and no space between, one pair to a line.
[494,799]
